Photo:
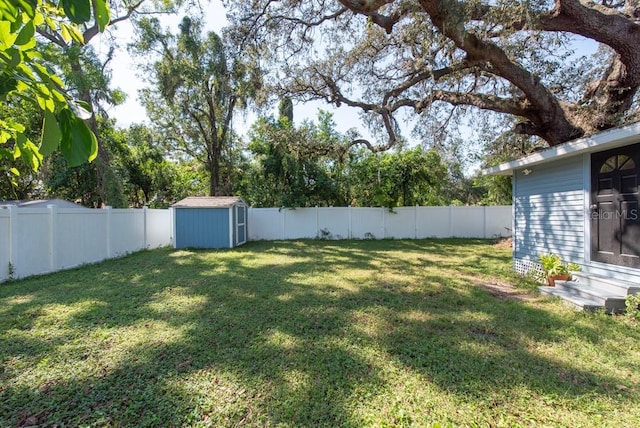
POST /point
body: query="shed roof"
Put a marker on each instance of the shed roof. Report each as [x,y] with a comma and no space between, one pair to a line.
[610,139]
[42,203]
[208,202]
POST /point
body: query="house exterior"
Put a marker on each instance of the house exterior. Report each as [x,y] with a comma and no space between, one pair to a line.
[581,200]
[210,222]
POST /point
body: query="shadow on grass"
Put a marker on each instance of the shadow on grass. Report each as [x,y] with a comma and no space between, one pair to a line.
[292,333]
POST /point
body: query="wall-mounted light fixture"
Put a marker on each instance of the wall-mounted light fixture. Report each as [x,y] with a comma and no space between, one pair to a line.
[526,171]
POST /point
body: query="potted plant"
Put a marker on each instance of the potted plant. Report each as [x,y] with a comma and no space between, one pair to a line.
[555,269]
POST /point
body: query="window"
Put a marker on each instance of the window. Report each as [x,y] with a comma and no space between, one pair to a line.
[617,162]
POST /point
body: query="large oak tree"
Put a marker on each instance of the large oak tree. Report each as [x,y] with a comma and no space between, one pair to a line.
[512,57]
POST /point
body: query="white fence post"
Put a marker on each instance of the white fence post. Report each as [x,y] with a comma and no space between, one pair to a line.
[283,212]
[145,215]
[108,232]
[172,219]
[484,221]
[384,223]
[450,221]
[14,269]
[53,237]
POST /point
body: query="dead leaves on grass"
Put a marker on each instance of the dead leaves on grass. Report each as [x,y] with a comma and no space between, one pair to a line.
[26,420]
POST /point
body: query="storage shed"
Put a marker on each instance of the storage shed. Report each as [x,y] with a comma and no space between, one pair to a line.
[210,222]
[581,200]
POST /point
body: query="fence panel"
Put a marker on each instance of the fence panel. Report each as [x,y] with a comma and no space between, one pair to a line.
[33,256]
[41,240]
[333,222]
[37,241]
[400,223]
[301,223]
[82,237]
[126,231]
[498,221]
[159,226]
[367,223]
[265,224]
[378,223]
[467,222]
[433,222]
[5,243]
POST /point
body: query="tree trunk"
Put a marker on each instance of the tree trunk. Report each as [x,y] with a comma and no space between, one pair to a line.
[109,188]
[214,174]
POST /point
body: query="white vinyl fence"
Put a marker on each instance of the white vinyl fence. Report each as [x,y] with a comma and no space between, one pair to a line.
[40,240]
[380,223]
[35,241]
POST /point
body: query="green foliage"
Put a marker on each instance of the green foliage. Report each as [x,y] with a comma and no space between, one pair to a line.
[11,272]
[148,177]
[17,179]
[404,178]
[26,74]
[77,183]
[87,183]
[552,265]
[496,189]
[632,305]
[288,168]
[314,165]
[77,142]
[87,78]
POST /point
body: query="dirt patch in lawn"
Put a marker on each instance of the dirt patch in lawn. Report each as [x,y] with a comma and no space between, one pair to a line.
[507,292]
[506,243]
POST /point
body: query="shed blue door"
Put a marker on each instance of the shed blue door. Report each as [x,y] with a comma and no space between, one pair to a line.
[202,227]
[241,224]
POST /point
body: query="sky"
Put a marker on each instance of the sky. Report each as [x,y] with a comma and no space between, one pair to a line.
[126,77]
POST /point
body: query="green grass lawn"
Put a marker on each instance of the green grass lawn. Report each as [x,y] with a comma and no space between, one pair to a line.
[310,333]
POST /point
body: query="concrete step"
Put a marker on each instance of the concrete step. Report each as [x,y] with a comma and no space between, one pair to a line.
[597,293]
[620,287]
[577,302]
[590,292]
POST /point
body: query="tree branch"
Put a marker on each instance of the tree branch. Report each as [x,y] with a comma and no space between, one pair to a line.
[54,38]
[92,31]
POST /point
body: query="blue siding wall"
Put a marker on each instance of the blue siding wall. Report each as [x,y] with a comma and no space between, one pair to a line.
[549,211]
[202,227]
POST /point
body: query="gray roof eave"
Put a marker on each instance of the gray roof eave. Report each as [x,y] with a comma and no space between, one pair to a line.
[610,139]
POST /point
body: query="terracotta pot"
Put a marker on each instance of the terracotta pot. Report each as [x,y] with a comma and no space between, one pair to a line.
[551,280]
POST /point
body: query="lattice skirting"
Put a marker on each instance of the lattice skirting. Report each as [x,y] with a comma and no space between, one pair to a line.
[528,268]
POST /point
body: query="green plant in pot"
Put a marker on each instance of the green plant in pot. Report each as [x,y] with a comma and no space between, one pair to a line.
[555,269]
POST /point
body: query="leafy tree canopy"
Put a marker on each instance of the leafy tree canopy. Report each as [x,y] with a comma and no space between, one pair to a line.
[199,81]
[25,74]
[314,165]
[436,58]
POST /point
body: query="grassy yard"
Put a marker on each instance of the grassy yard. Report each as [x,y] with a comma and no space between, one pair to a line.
[310,333]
